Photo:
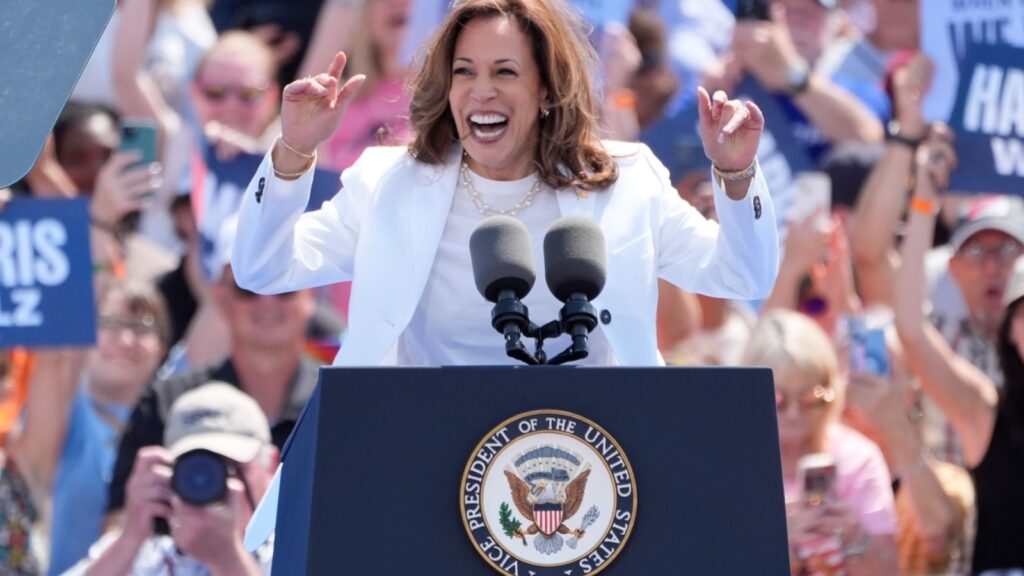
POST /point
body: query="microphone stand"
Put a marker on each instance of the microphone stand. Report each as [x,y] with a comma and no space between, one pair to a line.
[511,317]
[577,318]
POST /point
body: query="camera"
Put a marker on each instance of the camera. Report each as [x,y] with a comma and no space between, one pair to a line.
[200,477]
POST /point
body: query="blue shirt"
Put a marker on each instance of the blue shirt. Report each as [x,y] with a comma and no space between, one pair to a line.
[83,476]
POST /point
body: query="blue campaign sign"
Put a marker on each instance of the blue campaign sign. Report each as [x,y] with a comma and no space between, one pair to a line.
[988,120]
[676,142]
[46,293]
[219,195]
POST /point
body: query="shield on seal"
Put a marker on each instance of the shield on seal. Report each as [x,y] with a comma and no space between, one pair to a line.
[547,517]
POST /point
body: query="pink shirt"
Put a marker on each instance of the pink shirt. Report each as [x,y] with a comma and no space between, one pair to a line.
[387,108]
[862,481]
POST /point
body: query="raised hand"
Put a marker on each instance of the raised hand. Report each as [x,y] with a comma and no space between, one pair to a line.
[767,51]
[122,188]
[148,492]
[730,129]
[910,84]
[936,160]
[312,107]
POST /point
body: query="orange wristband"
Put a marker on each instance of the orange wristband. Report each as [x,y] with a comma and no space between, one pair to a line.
[624,99]
[924,206]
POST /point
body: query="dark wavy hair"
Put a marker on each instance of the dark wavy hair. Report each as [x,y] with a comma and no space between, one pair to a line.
[1011,398]
[569,152]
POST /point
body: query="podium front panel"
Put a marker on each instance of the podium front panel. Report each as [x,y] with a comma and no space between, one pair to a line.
[382,494]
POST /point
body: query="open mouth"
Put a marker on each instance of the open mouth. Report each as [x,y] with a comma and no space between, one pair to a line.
[488,126]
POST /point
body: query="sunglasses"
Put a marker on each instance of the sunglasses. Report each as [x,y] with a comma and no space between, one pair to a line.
[249,95]
[812,401]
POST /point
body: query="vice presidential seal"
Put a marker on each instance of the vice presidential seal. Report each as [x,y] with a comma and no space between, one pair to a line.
[548,493]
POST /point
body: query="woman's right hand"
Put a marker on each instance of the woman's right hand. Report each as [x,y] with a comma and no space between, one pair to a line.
[312,107]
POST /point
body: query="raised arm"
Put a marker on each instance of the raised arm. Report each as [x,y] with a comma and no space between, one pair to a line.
[273,251]
[877,407]
[137,94]
[36,446]
[334,25]
[964,393]
[884,195]
[767,51]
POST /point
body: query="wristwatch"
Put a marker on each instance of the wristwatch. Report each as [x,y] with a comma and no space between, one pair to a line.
[798,78]
[893,133]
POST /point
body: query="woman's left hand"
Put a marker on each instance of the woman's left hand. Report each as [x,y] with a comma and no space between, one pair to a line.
[731,130]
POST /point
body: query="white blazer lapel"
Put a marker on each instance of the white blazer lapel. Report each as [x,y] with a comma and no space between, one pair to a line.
[431,202]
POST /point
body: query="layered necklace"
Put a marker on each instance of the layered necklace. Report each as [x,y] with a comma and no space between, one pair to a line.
[486,209]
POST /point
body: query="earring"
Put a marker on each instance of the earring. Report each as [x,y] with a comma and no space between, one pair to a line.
[544,112]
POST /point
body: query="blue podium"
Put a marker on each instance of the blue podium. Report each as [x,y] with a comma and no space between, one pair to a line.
[386,473]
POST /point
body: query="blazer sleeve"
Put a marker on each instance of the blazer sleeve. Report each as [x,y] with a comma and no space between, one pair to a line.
[737,258]
[280,248]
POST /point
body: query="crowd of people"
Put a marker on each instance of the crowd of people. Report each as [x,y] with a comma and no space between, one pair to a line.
[216,305]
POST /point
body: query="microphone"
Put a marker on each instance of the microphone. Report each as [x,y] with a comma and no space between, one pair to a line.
[502,258]
[575,265]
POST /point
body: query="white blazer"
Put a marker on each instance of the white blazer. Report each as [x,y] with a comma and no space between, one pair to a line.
[383,228]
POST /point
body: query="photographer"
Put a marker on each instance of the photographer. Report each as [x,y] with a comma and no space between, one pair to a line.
[214,430]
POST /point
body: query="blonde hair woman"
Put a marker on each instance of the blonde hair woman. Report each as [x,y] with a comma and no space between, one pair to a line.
[855,526]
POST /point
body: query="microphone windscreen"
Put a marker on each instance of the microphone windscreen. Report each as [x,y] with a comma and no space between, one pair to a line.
[502,257]
[574,258]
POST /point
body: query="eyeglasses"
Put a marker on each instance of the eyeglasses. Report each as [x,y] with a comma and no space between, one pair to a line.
[144,325]
[1004,253]
[249,95]
[815,400]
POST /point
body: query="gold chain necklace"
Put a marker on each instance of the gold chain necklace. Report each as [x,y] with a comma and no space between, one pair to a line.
[486,209]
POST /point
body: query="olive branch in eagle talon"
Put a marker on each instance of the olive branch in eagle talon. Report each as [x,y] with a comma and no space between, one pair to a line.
[510,525]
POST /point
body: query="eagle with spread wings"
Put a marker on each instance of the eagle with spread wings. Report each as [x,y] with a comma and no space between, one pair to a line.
[547,509]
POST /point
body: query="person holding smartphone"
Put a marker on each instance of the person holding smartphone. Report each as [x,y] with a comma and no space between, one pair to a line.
[848,526]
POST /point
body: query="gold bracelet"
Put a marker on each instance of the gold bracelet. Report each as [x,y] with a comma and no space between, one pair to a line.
[738,175]
[290,175]
[294,151]
[293,175]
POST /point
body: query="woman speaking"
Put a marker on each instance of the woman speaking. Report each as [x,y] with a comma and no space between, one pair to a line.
[504,111]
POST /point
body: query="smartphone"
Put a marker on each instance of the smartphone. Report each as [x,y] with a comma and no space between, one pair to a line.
[752,10]
[868,351]
[812,191]
[818,471]
[139,137]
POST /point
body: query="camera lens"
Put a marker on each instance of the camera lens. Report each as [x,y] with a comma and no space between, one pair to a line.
[200,478]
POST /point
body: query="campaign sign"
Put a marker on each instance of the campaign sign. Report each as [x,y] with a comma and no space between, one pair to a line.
[948,27]
[46,294]
[988,119]
[217,194]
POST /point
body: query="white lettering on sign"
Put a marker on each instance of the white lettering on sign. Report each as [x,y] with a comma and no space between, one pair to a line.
[23,311]
[31,253]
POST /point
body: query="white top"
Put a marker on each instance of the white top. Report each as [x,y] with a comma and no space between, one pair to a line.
[452,323]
